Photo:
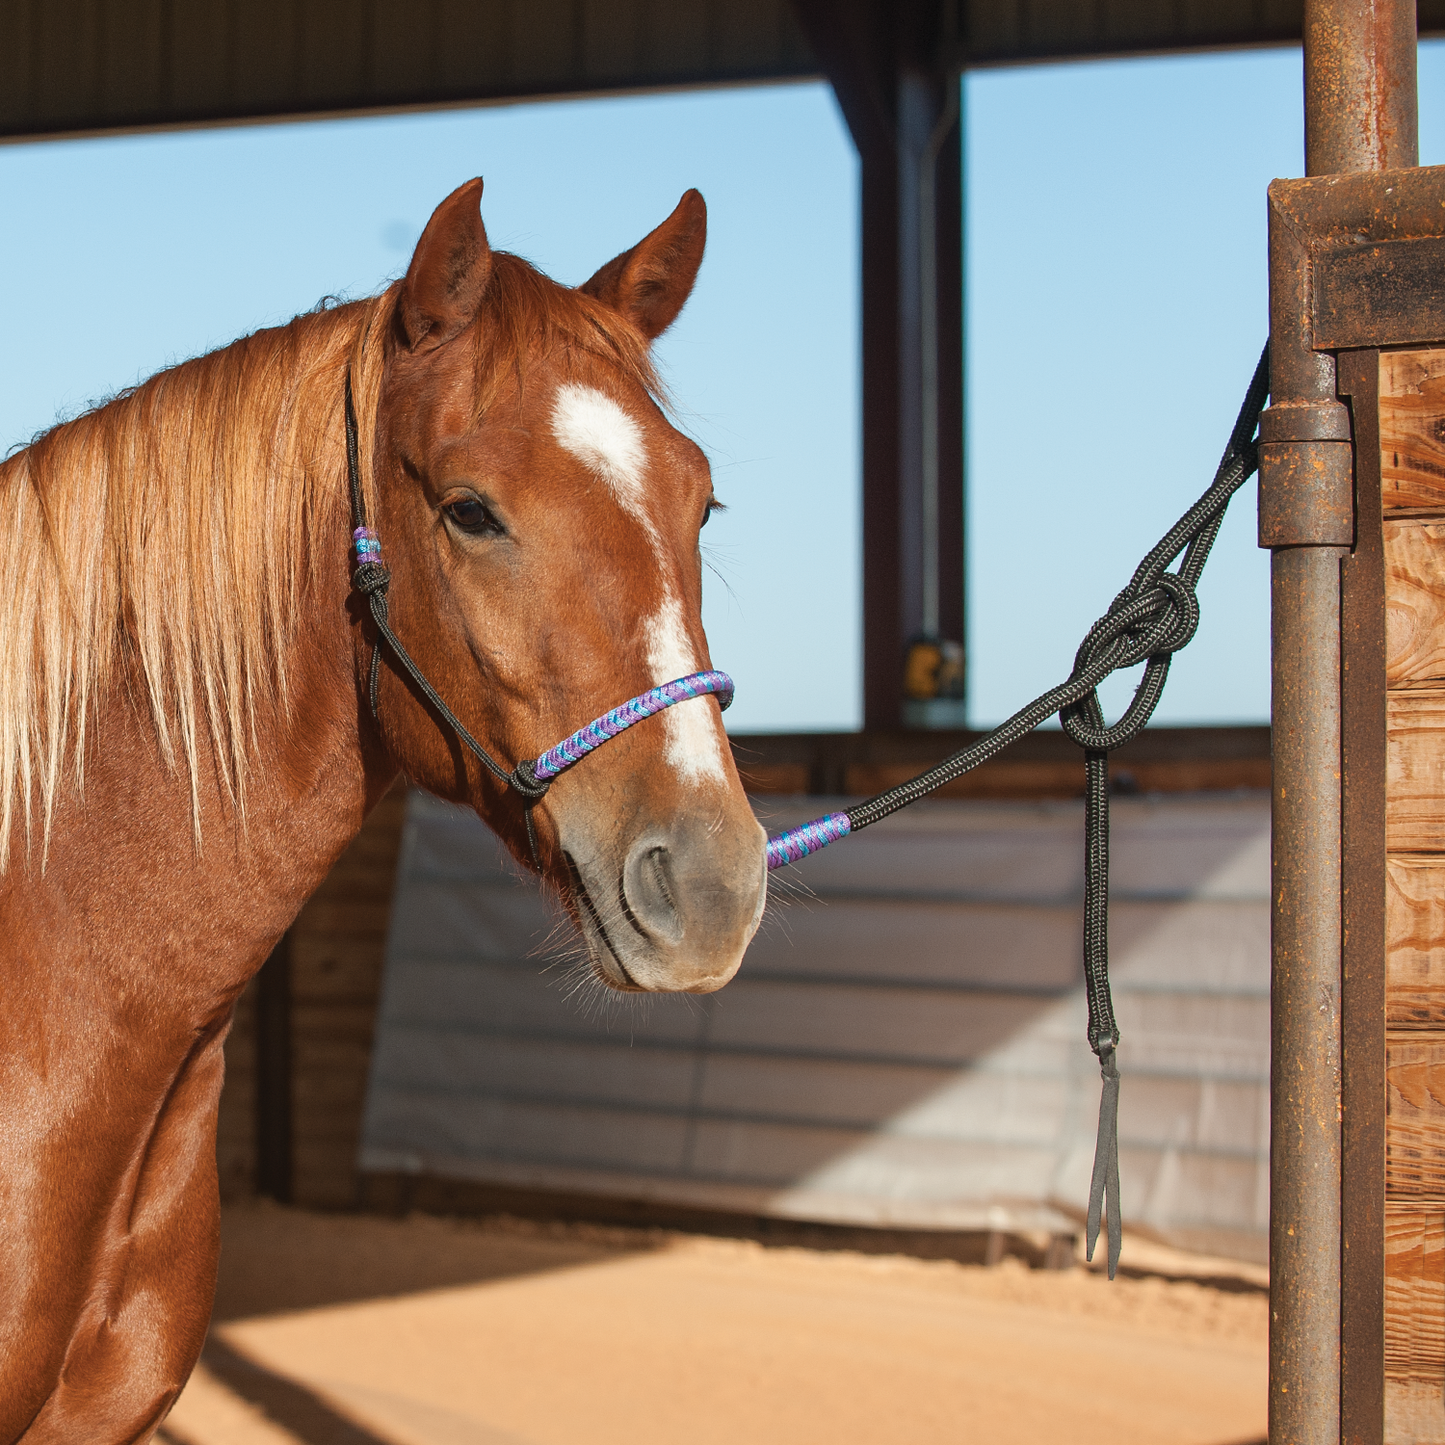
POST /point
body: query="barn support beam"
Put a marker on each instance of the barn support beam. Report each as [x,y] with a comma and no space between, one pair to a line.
[1359,116]
[895,70]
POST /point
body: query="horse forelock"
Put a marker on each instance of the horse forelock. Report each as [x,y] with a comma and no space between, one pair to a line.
[528,319]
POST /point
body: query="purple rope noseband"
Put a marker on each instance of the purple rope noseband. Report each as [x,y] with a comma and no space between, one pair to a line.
[584,740]
[784,848]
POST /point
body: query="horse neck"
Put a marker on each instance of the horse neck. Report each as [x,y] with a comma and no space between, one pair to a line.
[216,877]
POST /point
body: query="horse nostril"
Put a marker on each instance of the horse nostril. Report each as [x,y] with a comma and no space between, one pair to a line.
[657,861]
[649,898]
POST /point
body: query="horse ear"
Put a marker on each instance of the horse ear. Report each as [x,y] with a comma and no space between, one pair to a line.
[650,283]
[449,272]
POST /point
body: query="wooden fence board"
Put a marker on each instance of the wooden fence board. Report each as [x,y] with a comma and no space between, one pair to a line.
[1412,447]
[1415,602]
[1415,941]
[1415,1117]
[1415,742]
[1414,1326]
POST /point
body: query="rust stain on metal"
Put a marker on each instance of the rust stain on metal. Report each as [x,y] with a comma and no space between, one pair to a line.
[1359,86]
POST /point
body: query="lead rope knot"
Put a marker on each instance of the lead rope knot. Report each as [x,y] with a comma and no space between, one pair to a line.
[370,578]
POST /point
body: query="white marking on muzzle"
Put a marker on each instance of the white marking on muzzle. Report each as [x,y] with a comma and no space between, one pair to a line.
[594,428]
[693,745]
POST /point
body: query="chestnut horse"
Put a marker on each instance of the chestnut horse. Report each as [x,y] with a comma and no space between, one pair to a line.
[186,744]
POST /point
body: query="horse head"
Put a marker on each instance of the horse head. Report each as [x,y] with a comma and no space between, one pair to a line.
[540,517]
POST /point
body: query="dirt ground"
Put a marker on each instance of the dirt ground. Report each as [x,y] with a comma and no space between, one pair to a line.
[350,1330]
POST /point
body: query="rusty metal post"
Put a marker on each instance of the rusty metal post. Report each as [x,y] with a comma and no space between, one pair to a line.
[1360,105]
[1359,116]
[1305,1084]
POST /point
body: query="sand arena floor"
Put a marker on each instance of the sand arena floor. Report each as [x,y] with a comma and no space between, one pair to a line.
[349,1330]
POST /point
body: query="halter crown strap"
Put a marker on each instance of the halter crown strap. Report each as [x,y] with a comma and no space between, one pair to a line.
[371,577]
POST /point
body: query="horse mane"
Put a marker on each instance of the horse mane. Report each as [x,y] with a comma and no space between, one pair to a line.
[164,540]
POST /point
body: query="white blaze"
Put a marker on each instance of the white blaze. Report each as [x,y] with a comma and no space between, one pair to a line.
[593,428]
[590,425]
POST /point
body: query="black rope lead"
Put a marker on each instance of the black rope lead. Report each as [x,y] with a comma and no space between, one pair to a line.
[1149,621]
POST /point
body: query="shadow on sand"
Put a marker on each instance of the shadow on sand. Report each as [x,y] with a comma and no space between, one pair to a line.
[276,1260]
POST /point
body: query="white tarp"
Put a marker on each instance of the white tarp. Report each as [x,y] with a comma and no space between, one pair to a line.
[904,1044]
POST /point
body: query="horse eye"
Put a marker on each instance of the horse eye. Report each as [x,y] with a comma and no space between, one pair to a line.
[713,506]
[470,515]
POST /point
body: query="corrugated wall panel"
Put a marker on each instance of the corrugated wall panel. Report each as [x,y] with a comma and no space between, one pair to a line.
[904,1044]
[1008,31]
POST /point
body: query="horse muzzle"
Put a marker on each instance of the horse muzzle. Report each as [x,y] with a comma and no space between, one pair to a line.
[676,911]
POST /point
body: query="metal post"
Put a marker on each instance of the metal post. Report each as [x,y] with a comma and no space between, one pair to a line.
[894,66]
[1359,116]
[1360,106]
[1305,1086]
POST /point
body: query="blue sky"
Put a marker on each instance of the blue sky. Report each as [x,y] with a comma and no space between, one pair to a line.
[1117,303]
[125,254]
[1116,236]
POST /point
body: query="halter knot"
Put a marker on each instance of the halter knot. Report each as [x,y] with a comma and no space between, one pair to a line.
[371,577]
[525,781]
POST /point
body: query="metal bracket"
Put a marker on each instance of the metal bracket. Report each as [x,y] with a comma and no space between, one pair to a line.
[1306,494]
[1305,421]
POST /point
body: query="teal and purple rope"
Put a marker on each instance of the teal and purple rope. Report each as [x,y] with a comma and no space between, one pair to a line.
[367,546]
[783,849]
[795,843]
[634,710]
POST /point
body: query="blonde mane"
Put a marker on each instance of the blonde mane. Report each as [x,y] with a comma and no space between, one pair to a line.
[165,538]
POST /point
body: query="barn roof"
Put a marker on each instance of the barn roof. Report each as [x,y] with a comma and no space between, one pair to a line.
[71,66]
